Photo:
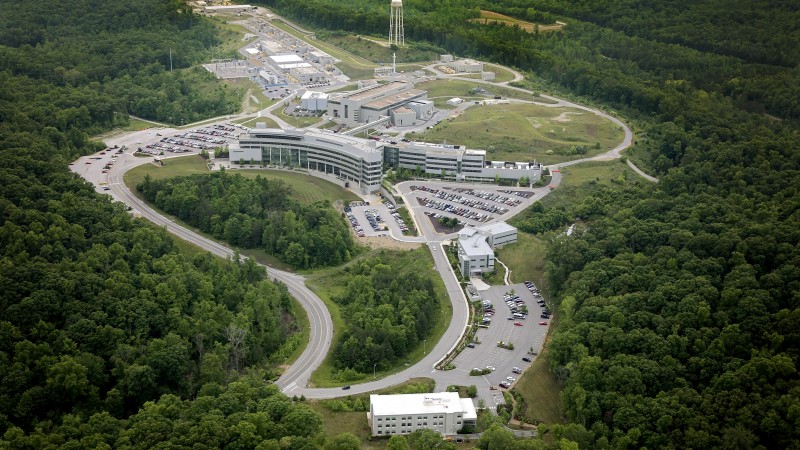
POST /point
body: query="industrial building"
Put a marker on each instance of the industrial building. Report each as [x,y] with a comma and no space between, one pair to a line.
[370,103]
[227,9]
[466,66]
[476,246]
[443,412]
[314,101]
[352,159]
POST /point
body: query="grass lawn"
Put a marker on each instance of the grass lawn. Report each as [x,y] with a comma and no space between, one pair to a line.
[582,179]
[501,74]
[139,124]
[325,283]
[525,258]
[251,121]
[299,122]
[527,132]
[254,98]
[305,188]
[376,49]
[541,391]
[450,88]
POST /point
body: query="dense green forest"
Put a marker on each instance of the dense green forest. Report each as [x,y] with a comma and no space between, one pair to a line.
[114,59]
[256,213]
[678,324]
[390,308]
[109,336]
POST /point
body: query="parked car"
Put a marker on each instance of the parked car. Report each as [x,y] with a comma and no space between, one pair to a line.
[346,387]
[519,324]
[542,323]
[526,359]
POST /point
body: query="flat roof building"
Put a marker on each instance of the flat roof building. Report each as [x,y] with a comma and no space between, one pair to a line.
[371,102]
[476,246]
[444,412]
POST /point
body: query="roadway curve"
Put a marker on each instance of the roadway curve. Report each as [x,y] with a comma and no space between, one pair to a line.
[296,378]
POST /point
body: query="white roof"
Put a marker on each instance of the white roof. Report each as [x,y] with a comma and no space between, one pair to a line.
[312,94]
[294,65]
[434,403]
[496,228]
[474,244]
[283,59]
[252,51]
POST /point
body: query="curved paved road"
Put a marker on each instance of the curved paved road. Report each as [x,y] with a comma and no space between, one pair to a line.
[295,380]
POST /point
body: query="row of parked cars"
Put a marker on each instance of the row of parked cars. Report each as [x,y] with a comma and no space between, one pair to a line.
[459,211]
[400,222]
[494,197]
[545,314]
[472,203]
[353,221]
[517,193]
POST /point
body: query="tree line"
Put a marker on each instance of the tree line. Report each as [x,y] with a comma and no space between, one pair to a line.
[256,213]
[109,335]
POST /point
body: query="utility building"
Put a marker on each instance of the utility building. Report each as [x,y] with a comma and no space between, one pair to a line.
[444,412]
[372,102]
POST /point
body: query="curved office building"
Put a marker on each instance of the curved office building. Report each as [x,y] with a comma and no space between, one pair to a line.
[352,159]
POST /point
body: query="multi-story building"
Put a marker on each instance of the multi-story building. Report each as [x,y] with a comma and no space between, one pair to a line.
[361,160]
[476,246]
[444,412]
[352,159]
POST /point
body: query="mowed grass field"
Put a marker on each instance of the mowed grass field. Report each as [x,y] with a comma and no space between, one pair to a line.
[527,132]
[305,188]
[530,27]
[324,283]
[449,88]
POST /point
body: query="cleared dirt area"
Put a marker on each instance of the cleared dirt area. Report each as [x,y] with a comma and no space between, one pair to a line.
[530,27]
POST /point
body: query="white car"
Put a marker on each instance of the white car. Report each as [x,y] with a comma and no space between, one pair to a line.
[492,368]
[511,379]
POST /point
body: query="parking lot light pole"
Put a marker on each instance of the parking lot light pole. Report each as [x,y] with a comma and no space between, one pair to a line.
[373,370]
[424,346]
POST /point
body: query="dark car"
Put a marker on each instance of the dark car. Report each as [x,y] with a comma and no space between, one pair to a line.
[526,359]
[471,345]
[346,387]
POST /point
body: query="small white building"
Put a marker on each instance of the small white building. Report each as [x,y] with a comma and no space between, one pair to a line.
[307,74]
[487,76]
[321,58]
[466,66]
[476,246]
[314,101]
[455,101]
[446,58]
[443,412]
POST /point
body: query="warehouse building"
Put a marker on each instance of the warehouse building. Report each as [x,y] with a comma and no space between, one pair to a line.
[466,66]
[443,412]
[372,102]
[476,246]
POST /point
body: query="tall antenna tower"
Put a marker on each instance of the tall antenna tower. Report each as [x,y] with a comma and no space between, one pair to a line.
[396,32]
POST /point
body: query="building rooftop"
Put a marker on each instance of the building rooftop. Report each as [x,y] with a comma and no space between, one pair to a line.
[356,146]
[496,228]
[400,97]
[433,403]
[314,94]
[299,65]
[285,59]
[403,110]
[375,90]
[474,243]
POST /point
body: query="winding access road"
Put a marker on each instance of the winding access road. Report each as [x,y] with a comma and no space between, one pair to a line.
[295,380]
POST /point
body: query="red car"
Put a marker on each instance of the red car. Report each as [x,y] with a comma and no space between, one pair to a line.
[517,324]
[542,323]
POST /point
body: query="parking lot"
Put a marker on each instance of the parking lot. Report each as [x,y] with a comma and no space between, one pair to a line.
[525,334]
[374,220]
[469,206]
[204,138]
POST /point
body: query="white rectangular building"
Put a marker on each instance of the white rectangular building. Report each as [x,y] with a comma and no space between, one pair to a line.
[314,101]
[466,66]
[444,412]
[476,246]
